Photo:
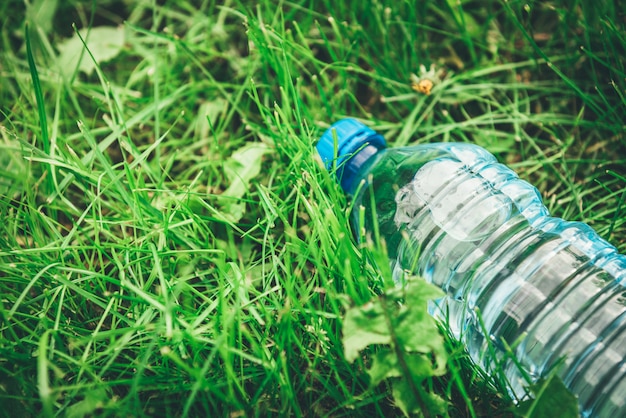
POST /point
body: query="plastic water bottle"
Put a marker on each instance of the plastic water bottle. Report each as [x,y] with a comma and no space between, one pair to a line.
[449,212]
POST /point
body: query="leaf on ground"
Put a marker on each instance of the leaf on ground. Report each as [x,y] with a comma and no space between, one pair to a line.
[385,363]
[419,291]
[406,400]
[240,169]
[104,43]
[399,318]
[414,328]
[363,326]
[208,115]
[243,166]
[94,399]
[552,399]
[419,331]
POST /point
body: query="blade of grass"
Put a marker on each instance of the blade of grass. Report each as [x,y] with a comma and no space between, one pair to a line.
[41,108]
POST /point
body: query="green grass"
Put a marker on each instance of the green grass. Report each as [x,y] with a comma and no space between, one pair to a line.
[144,270]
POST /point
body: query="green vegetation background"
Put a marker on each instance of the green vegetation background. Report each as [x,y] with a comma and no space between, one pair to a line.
[169,243]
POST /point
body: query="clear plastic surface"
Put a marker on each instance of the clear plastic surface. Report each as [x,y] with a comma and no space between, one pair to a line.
[451,214]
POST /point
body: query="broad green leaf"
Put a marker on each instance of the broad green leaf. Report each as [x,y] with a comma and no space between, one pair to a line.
[240,169]
[208,115]
[408,401]
[419,332]
[234,210]
[419,291]
[399,318]
[385,364]
[243,166]
[104,43]
[363,326]
[94,399]
[420,365]
[552,399]
[415,329]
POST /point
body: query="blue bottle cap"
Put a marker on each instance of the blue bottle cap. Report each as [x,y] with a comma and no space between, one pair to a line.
[352,136]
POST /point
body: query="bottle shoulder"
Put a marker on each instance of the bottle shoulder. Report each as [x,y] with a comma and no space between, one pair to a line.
[401,165]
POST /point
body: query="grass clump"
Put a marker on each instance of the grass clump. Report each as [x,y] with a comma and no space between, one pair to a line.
[170,245]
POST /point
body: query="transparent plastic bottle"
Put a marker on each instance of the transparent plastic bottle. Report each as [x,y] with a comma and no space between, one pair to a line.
[452,214]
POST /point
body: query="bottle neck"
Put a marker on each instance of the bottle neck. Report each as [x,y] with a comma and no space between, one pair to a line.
[349,172]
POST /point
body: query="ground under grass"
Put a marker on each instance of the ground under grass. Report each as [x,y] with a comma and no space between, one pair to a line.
[170,244]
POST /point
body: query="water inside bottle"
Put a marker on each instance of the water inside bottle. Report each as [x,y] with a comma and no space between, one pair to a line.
[533,284]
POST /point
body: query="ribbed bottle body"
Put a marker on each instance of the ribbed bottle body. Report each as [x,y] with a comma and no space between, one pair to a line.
[451,214]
